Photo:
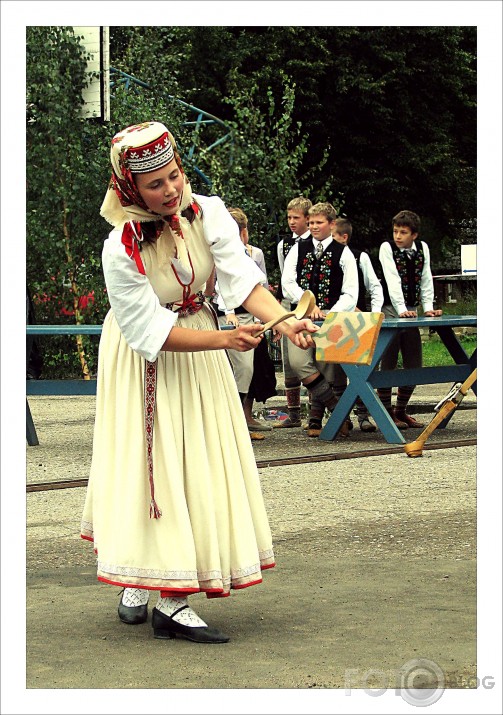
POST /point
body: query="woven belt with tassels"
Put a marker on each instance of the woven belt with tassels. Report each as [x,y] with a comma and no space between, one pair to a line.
[190,305]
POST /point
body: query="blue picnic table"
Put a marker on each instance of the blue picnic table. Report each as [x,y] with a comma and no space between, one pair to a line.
[56,387]
[364,379]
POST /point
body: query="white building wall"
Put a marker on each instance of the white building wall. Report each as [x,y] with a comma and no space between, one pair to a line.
[96,96]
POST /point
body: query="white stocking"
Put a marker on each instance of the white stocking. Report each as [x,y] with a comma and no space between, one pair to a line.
[187,617]
[135,597]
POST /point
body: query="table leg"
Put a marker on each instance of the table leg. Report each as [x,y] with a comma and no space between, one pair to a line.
[31,432]
[359,386]
[456,350]
[458,354]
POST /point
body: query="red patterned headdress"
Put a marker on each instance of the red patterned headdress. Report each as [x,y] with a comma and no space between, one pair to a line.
[137,150]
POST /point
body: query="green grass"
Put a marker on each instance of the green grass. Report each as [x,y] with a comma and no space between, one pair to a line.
[435,353]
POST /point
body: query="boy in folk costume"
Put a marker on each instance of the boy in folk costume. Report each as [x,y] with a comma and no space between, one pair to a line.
[407,282]
[329,270]
[368,283]
[297,217]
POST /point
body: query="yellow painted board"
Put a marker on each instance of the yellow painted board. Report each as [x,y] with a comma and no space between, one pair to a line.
[348,337]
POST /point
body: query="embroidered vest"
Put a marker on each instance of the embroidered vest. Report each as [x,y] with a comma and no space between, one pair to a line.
[361,303]
[410,271]
[324,278]
[288,242]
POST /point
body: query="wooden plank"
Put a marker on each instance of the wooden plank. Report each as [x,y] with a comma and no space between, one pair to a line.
[420,376]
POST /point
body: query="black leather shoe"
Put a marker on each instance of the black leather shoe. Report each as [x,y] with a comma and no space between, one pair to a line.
[132,614]
[165,627]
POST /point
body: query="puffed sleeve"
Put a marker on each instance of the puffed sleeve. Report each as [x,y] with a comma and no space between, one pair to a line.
[237,273]
[143,321]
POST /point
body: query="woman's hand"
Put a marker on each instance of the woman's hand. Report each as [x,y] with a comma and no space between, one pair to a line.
[242,337]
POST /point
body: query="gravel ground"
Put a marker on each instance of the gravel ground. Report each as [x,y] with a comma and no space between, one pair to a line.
[376,565]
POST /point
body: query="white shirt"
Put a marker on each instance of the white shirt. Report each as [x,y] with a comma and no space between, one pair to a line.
[395,284]
[372,283]
[281,257]
[349,291]
[143,321]
[257,255]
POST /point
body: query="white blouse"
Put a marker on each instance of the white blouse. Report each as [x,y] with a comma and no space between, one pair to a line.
[142,319]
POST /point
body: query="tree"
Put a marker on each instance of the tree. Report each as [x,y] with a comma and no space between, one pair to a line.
[261,166]
[68,170]
[59,161]
[394,107]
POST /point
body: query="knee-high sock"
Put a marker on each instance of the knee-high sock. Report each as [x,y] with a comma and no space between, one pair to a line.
[292,398]
[338,390]
[360,408]
[403,396]
[384,394]
[321,391]
[316,412]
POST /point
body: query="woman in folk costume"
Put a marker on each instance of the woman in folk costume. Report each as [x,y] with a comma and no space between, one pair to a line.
[174,501]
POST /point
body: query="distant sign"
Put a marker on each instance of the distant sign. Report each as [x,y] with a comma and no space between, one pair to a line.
[469,259]
[97,94]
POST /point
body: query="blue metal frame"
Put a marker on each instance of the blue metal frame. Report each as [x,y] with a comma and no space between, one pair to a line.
[117,77]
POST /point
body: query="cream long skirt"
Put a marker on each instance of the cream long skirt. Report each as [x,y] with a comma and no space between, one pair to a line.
[213,534]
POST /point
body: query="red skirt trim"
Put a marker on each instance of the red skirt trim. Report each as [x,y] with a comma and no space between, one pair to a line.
[210,593]
[245,585]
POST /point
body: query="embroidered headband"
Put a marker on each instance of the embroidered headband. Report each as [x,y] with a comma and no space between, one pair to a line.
[148,157]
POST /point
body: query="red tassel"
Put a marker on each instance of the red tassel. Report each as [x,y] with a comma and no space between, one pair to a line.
[154,510]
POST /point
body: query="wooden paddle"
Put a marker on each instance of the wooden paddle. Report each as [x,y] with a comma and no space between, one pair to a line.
[304,307]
